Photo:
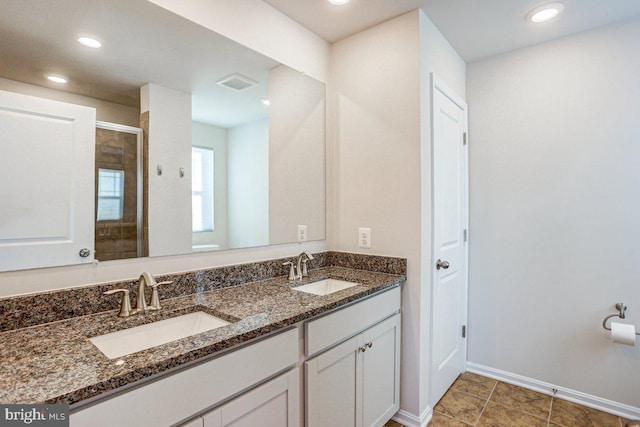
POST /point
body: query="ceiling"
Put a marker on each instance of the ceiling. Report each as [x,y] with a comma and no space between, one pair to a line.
[148,44]
[144,44]
[476,28]
[334,23]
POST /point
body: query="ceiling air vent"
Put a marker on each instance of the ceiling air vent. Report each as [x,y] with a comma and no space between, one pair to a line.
[237,82]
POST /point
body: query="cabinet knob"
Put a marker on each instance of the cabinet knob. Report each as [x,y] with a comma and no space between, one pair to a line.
[363,348]
[369,344]
[84,252]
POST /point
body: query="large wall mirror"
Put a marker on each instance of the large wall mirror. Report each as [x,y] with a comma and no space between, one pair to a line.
[168,139]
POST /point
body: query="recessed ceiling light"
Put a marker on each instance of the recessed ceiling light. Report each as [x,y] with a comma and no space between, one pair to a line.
[89,42]
[545,12]
[266,101]
[339,2]
[56,78]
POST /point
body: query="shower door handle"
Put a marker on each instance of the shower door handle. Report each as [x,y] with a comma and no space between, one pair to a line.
[442,264]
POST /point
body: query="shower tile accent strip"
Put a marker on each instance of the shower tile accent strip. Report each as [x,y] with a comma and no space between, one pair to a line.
[36,309]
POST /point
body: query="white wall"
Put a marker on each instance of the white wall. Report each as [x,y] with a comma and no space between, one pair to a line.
[205,135]
[272,32]
[105,111]
[296,155]
[555,186]
[248,181]
[260,27]
[169,208]
[381,175]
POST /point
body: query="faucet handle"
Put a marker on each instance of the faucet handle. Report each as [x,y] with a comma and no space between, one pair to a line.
[292,271]
[155,298]
[125,304]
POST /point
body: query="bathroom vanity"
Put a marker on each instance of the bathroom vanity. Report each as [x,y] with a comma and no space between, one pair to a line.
[286,357]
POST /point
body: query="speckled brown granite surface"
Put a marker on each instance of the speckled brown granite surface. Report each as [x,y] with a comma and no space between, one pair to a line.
[56,363]
[30,310]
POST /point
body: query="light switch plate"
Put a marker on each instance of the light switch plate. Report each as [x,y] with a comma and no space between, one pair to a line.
[364,237]
[302,233]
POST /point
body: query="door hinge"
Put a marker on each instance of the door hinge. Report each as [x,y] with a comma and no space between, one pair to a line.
[464,138]
[466,235]
[464,331]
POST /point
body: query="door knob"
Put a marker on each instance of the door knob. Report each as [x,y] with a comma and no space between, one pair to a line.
[442,264]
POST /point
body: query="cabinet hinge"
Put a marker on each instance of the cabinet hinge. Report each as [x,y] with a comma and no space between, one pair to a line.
[466,235]
[464,138]
[464,331]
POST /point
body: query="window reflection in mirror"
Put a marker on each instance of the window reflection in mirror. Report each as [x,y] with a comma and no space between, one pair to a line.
[110,194]
[202,183]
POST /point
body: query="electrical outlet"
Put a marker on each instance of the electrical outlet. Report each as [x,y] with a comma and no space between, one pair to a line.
[364,237]
[302,233]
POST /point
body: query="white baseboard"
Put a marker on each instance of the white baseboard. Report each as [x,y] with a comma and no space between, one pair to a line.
[408,419]
[620,409]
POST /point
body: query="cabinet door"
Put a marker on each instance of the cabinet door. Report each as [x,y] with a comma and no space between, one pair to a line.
[196,422]
[333,396]
[274,404]
[381,372]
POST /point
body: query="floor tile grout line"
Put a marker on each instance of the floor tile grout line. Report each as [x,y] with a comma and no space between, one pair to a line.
[478,395]
[620,420]
[442,414]
[521,411]
[486,403]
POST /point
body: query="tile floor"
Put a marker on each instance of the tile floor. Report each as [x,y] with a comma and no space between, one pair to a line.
[478,401]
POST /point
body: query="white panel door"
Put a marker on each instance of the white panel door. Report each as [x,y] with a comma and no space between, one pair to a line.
[333,386]
[450,251]
[47,184]
[381,372]
[274,404]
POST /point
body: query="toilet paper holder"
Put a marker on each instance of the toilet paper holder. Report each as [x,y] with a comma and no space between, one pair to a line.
[621,309]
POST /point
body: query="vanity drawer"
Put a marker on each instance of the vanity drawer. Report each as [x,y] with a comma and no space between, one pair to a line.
[344,323]
[176,397]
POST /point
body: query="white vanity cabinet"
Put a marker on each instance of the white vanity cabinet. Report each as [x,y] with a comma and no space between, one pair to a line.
[357,382]
[179,396]
[196,422]
[351,360]
[273,404]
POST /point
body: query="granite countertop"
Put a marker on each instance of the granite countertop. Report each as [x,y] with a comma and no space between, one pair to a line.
[56,362]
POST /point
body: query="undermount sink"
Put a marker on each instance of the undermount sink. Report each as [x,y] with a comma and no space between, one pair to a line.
[127,341]
[325,287]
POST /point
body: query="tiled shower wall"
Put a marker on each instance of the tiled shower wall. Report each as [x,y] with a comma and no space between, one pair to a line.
[117,239]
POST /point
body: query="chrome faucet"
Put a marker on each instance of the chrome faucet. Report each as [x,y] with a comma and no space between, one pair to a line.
[301,265]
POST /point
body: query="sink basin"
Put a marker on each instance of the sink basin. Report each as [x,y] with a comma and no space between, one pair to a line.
[127,341]
[325,287]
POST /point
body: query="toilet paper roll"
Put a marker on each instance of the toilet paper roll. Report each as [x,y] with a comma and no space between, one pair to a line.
[622,333]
